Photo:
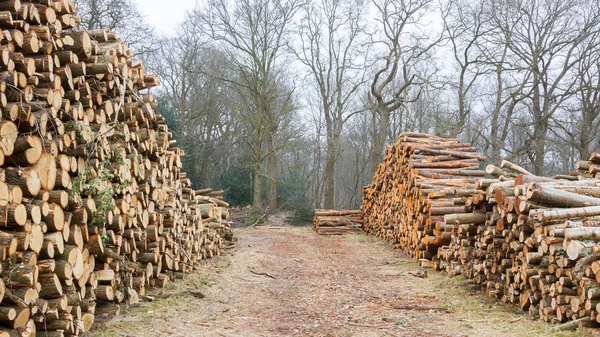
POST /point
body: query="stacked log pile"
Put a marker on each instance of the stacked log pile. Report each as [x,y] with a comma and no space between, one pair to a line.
[420,181]
[536,248]
[94,206]
[332,222]
[524,239]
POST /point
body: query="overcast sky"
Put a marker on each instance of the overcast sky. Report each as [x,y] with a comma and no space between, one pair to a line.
[163,15]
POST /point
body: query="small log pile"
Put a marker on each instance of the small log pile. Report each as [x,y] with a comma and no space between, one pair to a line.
[214,211]
[94,206]
[590,168]
[332,222]
[524,239]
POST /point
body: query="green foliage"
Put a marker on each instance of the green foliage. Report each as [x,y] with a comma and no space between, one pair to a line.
[170,113]
[304,212]
[255,216]
[100,184]
[237,184]
[291,193]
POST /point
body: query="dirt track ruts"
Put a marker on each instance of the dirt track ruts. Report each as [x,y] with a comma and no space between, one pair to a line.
[322,286]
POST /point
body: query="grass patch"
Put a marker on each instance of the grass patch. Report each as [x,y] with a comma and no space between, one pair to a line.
[359,237]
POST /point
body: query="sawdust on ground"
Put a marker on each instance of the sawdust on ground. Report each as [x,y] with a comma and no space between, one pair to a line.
[287,281]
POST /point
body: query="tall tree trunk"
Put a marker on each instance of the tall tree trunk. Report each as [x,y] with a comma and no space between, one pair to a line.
[496,142]
[587,134]
[379,138]
[256,201]
[540,126]
[500,126]
[182,97]
[272,170]
[539,147]
[462,110]
[317,179]
[456,129]
[329,173]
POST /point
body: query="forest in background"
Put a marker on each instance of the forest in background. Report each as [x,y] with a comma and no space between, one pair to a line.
[288,104]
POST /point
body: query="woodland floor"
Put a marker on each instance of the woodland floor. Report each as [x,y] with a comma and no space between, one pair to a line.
[322,286]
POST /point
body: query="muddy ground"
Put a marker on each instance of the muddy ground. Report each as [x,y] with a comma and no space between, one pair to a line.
[287,281]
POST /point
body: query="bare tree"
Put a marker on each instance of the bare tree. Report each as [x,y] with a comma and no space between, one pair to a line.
[500,90]
[406,43]
[464,24]
[122,16]
[201,106]
[589,100]
[332,49]
[579,125]
[316,120]
[354,168]
[544,37]
[178,62]
[252,33]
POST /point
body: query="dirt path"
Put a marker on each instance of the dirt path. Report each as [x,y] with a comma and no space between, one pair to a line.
[321,286]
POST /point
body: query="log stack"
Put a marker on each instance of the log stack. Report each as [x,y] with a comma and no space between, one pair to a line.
[420,181]
[590,168]
[94,206]
[536,247]
[524,239]
[214,212]
[332,222]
